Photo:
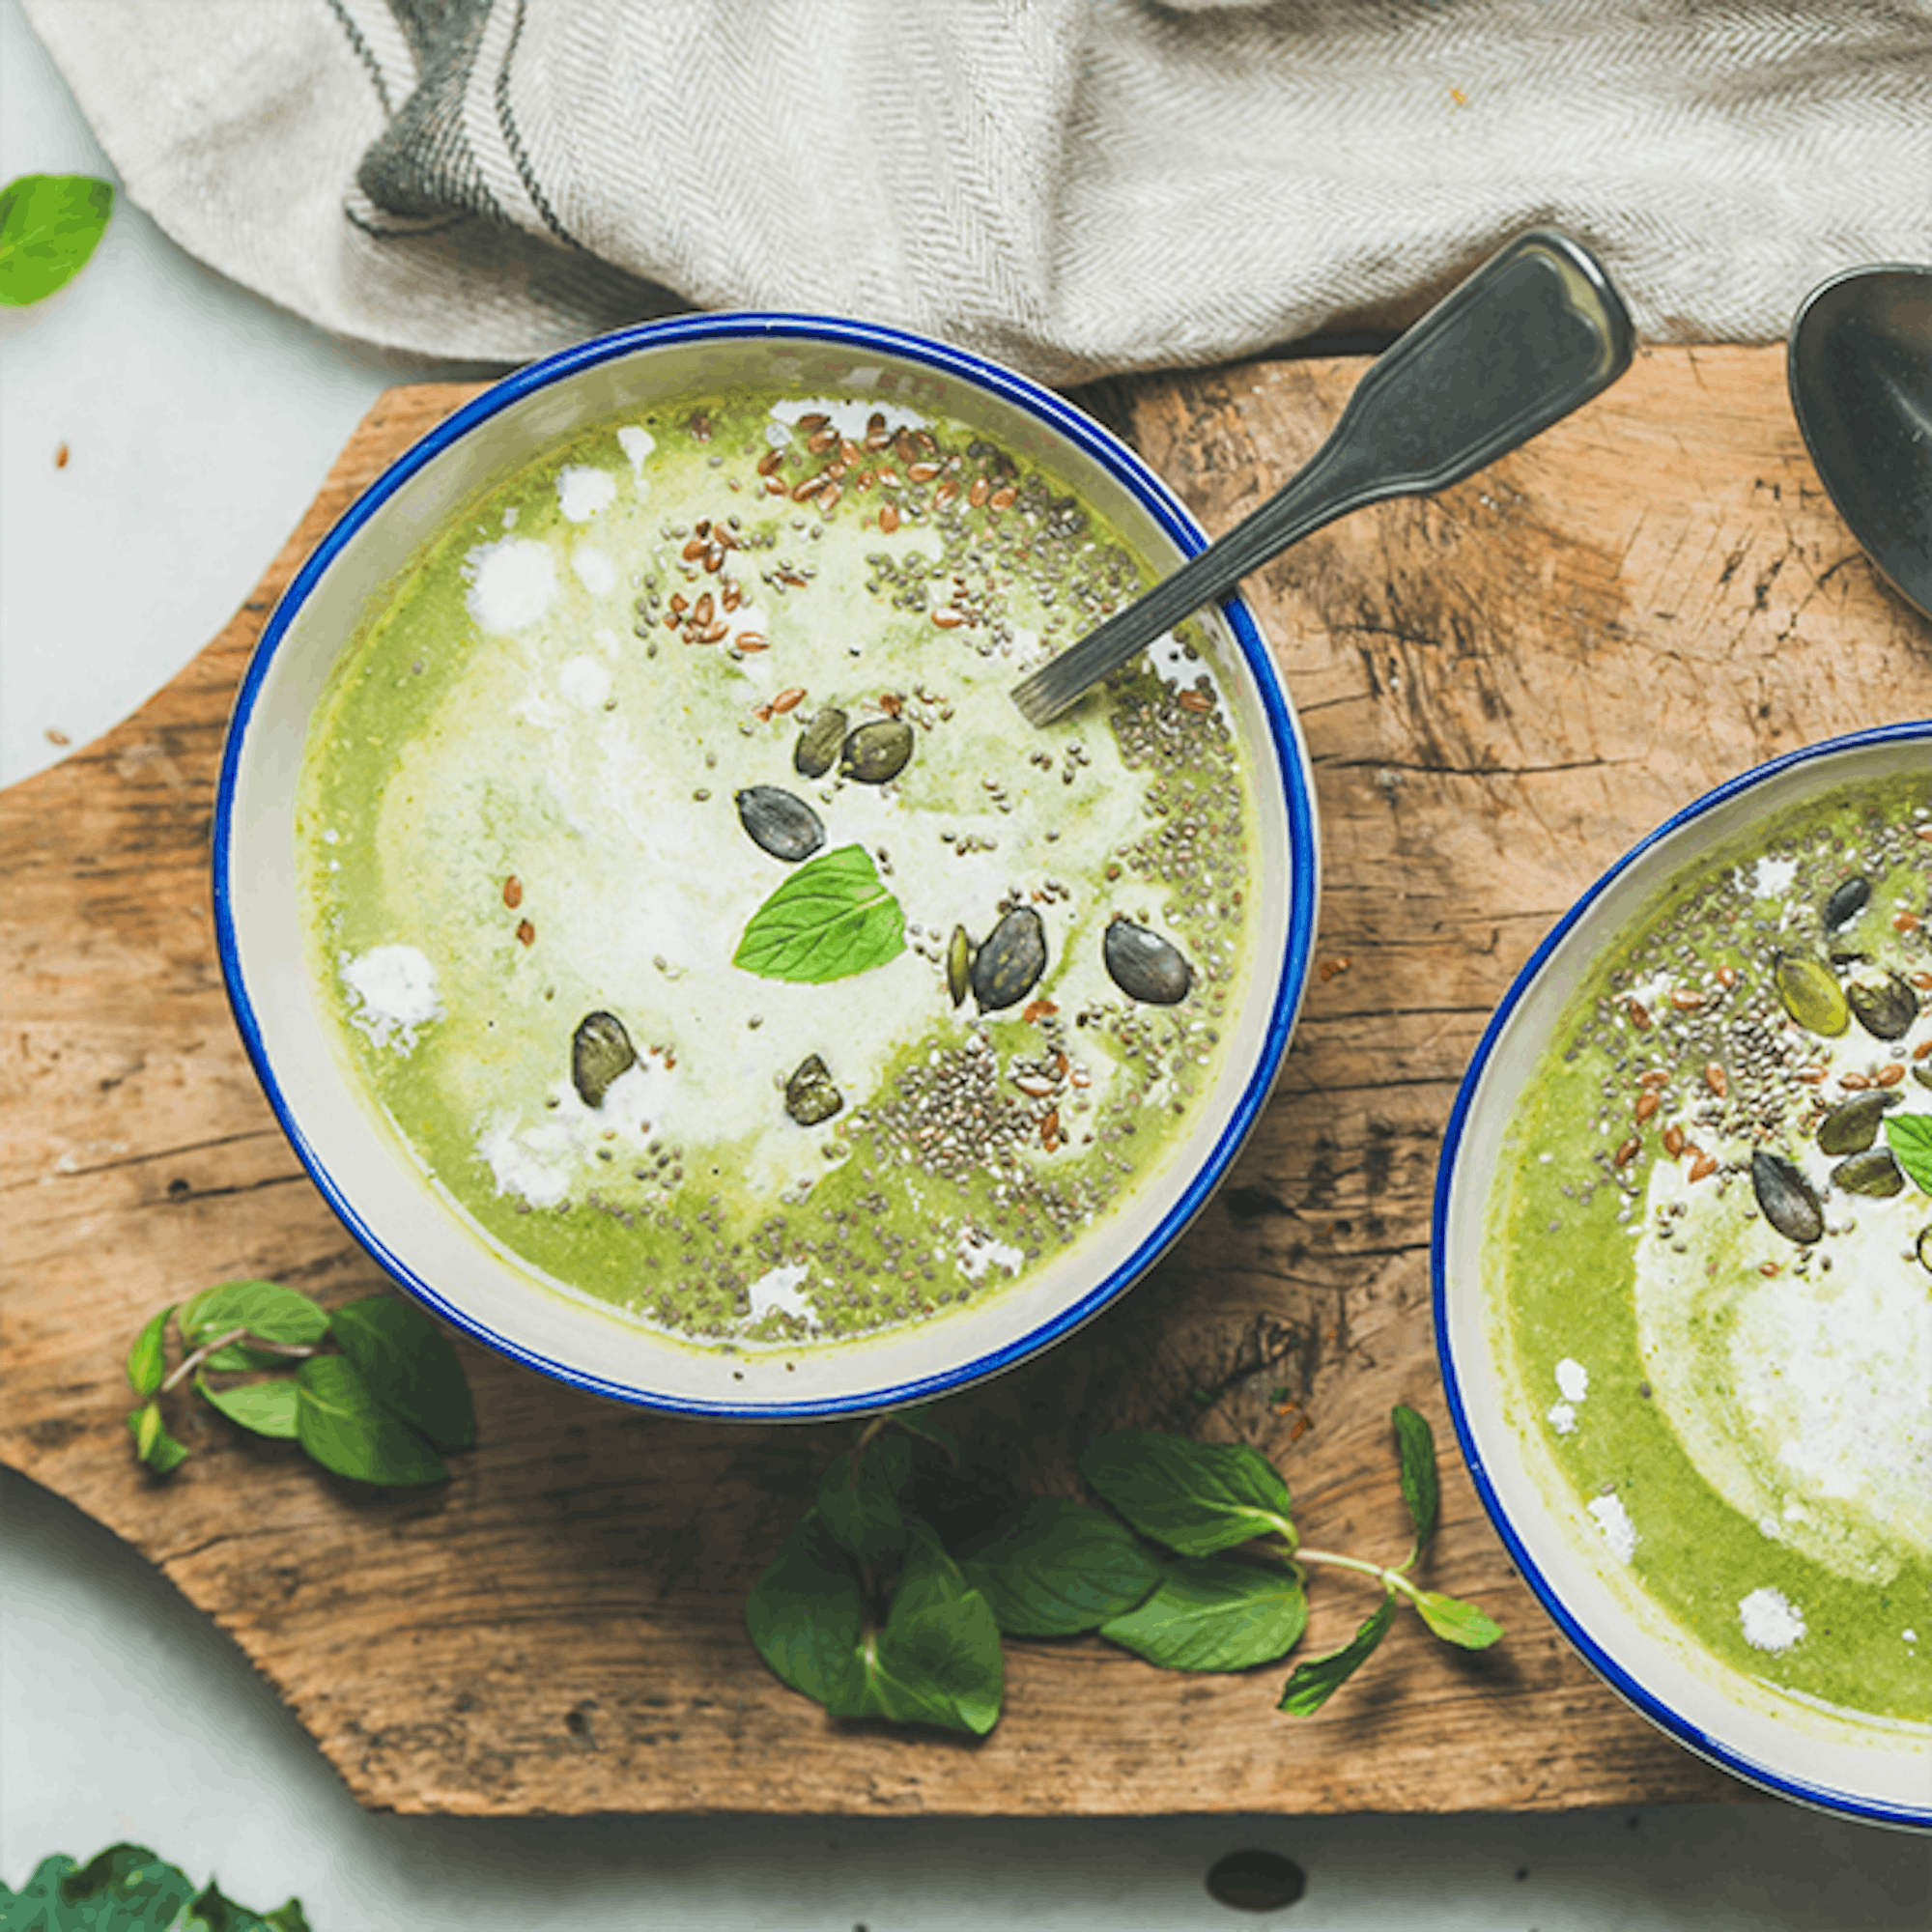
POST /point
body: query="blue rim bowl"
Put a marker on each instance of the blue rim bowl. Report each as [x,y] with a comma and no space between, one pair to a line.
[391,1208]
[1877,1772]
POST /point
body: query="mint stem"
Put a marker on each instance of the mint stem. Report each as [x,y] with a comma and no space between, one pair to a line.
[190,1363]
[1390,1579]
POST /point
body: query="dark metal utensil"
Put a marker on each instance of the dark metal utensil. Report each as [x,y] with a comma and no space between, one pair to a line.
[1860,368]
[1534,333]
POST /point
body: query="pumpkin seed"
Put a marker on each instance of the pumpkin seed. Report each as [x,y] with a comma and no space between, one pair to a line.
[818,744]
[959,950]
[785,826]
[1144,965]
[599,1051]
[1848,899]
[1852,1127]
[1785,1198]
[1885,1008]
[877,751]
[1811,996]
[1008,967]
[1923,1073]
[1925,1247]
[810,1095]
[1874,1172]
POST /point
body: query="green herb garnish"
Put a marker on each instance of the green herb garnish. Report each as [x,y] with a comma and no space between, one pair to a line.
[832,918]
[364,1413]
[49,228]
[868,1612]
[1911,1137]
[128,1888]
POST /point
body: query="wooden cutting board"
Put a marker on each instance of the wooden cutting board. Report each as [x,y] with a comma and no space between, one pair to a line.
[1501,688]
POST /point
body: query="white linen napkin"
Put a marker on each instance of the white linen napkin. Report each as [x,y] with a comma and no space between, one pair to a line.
[1075,186]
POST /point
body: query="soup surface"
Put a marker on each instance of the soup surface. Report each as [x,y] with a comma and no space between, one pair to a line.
[692,898]
[1716,1275]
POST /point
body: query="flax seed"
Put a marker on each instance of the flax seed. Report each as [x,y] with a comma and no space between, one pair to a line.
[1715,1079]
[1639,1015]
[513,891]
[527,933]
[1703,1167]
[948,618]
[830,495]
[889,519]
[1628,1152]
[1647,1104]
[1003,500]
[1194,701]
[1889,1075]
[787,699]
[770,461]
[1674,1141]
[979,491]
[751,641]
[922,472]
[811,487]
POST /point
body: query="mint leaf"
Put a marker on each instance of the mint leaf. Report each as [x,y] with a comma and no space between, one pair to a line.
[341,1424]
[805,1614]
[409,1365]
[153,1443]
[268,1408]
[858,1498]
[1214,1614]
[1060,1569]
[1911,1137]
[919,1422]
[209,1911]
[147,1359]
[1456,1622]
[127,1886]
[1311,1685]
[49,228]
[831,919]
[937,1661]
[265,1308]
[1416,1448]
[1196,1498]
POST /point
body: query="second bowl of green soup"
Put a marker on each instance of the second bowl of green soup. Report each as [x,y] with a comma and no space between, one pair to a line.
[1683,1275]
[659,933]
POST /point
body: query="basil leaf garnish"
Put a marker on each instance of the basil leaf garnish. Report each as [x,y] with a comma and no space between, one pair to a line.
[1196,1498]
[1415,1446]
[147,1359]
[341,1424]
[265,1308]
[1211,1613]
[804,1613]
[408,1366]
[268,1408]
[1060,1569]
[1311,1685]
[1911,1137]
[49,227]
[1456,1622]
[831,919]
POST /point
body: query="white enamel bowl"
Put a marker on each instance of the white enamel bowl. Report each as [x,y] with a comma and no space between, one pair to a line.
[1863,1770]
[362,1172]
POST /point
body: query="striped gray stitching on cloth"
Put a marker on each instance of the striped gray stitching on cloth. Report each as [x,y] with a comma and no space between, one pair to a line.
[513,138]
[365,54]
[423,22]
[424,166]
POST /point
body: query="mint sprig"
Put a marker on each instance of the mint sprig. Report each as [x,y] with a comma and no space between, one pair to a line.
[832,918]
[1198,1566]
[371,1411]
[1910,1139]
[49,227]
[128,1888]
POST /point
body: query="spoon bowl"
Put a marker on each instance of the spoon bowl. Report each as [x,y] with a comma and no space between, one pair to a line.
[1860,368]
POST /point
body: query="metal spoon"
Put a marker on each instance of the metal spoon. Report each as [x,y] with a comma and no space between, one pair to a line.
[1534,333]
[1859,366]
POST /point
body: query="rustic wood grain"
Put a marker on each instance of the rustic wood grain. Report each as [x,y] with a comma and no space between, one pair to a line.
[1501,689]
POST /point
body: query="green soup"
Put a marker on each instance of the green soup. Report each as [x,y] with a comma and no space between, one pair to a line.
[1718,1279]
[630,694]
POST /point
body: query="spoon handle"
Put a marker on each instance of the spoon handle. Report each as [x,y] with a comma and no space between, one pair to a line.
[1534,333]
